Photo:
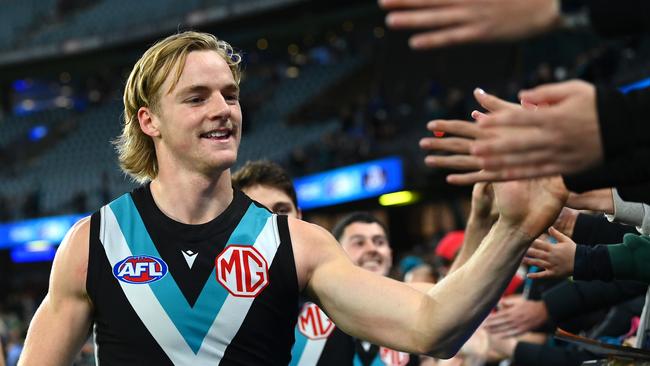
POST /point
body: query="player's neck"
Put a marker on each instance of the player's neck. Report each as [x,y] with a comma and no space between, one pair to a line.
[194,198]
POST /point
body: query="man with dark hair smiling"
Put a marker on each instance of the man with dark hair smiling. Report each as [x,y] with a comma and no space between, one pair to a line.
[364,239]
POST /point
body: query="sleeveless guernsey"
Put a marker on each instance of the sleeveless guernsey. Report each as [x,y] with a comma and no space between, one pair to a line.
[320,343]
[166,293]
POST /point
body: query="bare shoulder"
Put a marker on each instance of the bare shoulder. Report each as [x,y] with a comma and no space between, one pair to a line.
[71,261]
[312,246]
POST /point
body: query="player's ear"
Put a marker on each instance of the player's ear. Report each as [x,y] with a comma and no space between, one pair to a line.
[149,123]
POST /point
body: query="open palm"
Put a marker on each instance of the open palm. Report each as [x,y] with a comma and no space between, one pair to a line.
[532,205]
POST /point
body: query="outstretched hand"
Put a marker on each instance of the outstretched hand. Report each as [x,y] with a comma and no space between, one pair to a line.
[601,200]
[563,137]
[511,142]
[530,205]
[447,22]
[516,316]
[557,259]
[463,135]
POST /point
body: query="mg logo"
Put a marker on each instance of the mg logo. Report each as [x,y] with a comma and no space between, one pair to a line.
[393,358]
[242,270]
[314,323]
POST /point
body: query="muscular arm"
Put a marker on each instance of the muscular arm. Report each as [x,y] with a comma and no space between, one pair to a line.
[389,313]
[62,321]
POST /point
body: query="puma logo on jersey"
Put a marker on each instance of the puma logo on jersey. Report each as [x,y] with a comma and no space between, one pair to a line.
[140,269]
[242,270]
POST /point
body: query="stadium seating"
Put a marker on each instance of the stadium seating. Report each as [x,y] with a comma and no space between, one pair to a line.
[79,161]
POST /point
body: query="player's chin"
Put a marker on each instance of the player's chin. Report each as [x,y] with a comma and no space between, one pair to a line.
[223,160]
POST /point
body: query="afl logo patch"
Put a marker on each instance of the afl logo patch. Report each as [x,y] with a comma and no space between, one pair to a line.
[140,269]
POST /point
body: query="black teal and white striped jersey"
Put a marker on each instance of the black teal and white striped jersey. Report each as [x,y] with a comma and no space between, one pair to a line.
[320,343]
[166,293]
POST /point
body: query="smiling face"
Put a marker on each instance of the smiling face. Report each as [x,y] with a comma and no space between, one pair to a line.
[367,246]
[197,125]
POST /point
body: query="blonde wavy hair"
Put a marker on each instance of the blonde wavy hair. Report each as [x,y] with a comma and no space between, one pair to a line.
[136,152]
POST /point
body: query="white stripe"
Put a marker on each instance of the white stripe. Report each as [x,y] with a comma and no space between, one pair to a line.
[155,318]
[234,310]
[312,351]
[96,345]
[142,298]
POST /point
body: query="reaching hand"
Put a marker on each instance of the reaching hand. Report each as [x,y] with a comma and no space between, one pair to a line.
[464,134]
[601,200]
[448,22]
[516,315]
[556,259]
[562,138]
[531,205]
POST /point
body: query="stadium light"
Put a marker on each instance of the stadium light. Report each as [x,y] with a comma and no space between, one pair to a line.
[400,198]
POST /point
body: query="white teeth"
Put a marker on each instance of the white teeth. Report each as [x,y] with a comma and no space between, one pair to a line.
[217,134]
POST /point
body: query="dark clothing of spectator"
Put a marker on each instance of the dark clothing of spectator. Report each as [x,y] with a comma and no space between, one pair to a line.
[625,131]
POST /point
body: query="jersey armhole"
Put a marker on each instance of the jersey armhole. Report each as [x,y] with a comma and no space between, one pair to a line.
[94,249]
[285,239]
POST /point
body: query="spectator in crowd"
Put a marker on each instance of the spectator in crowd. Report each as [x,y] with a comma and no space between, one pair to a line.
[626,261]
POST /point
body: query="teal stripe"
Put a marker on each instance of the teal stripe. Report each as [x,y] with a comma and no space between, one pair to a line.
[250,226]
[377,361]
[192,323]
[356,361]
[298,347]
